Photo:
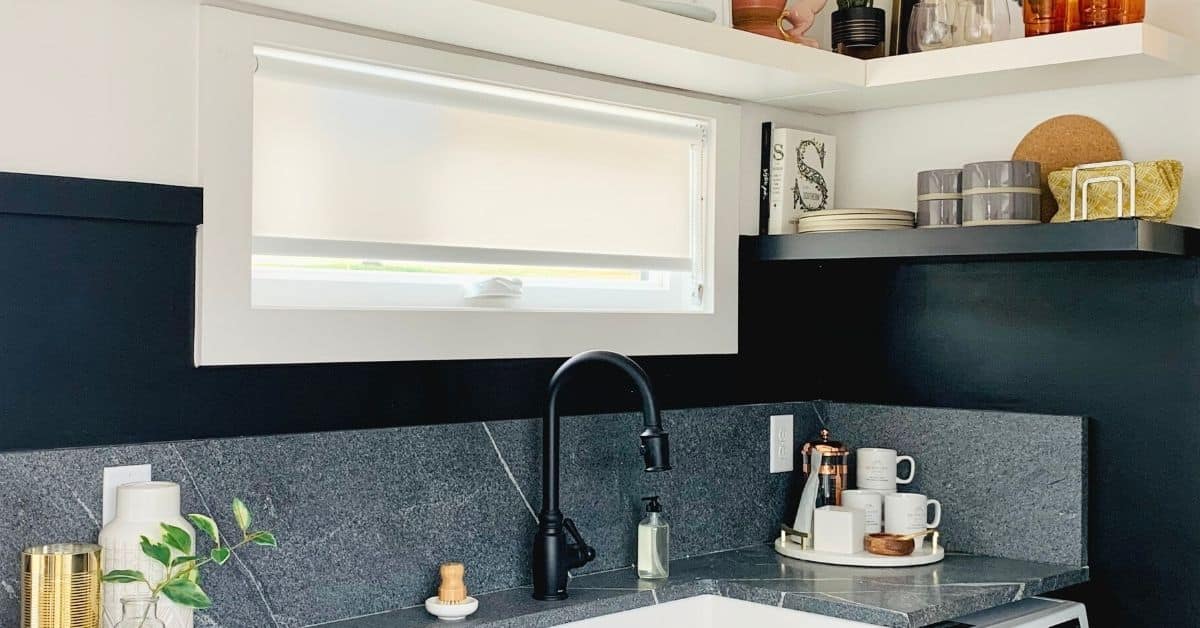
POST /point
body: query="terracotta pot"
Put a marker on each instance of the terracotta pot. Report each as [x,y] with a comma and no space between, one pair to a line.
[759,16]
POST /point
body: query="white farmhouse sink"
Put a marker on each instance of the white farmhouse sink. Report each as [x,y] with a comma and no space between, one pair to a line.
[713,611]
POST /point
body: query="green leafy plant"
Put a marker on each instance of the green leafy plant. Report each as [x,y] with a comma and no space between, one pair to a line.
[180,582]
[846,4]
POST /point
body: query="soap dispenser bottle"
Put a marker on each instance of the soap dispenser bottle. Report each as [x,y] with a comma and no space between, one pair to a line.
[653,542]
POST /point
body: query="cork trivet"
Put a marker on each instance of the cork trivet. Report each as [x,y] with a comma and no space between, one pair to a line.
[1066,142]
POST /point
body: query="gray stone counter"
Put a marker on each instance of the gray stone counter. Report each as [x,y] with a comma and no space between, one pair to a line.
[906,597]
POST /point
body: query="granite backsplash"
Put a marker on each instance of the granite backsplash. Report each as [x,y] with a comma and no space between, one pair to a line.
[364,517]
[1011,484]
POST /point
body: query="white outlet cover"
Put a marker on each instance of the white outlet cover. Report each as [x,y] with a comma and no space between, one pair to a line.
[782,445]
[116,476]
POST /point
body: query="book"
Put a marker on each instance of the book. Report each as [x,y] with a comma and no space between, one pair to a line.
[801,176]
[764,179]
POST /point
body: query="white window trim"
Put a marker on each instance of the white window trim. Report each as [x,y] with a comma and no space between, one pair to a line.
[230,331]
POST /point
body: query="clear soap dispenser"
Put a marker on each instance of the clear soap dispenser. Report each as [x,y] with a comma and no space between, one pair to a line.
[653,542]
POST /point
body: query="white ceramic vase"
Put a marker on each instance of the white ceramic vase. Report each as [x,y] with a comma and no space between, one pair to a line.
[141,509]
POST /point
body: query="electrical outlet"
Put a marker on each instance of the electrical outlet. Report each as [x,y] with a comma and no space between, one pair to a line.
[782,445]
[116,476]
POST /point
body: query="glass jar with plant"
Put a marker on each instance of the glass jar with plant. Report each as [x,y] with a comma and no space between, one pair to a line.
[176,552]
[859,29]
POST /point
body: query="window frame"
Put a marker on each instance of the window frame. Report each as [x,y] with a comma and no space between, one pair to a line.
[229,330]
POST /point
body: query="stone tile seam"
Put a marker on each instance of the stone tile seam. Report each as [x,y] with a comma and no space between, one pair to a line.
[977,585]
[422,605]
[508,471]
[839,599]
[87,511]
[820,415]
[262,594]
[785,579]
[898,614]
[336,621]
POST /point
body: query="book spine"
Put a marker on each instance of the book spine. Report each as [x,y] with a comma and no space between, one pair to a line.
[776,219]
[764,180]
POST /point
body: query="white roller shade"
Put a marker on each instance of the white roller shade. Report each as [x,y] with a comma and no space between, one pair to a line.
[369,161]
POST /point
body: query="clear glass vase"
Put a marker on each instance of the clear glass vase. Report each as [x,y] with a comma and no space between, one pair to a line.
[139,611]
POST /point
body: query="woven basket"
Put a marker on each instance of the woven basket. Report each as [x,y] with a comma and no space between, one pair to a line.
[1158,187]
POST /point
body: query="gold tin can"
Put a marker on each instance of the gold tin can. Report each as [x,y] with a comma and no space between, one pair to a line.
[60,586]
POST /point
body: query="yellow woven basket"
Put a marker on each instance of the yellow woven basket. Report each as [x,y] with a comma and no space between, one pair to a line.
[1158,186]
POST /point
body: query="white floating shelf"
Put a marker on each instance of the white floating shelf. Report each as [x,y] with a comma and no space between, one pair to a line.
[630,42]
[607,37]
[1113,54]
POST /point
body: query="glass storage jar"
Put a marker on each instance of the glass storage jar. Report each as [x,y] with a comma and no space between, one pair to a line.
[139,611]
[1043,17]
[1126,11]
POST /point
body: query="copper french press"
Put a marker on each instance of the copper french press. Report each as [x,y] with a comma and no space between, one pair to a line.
[834,470]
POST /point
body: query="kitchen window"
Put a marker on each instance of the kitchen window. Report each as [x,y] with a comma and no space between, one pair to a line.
[375,200]
[375,186]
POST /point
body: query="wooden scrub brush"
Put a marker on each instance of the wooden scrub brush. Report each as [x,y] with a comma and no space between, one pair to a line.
[452,602]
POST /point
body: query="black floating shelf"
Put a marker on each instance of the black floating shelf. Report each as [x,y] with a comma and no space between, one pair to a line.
[1079,239]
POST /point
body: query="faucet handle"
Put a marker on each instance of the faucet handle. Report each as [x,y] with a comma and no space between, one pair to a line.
[579,553]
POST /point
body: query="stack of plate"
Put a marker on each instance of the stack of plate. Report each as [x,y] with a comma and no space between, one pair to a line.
[830,220]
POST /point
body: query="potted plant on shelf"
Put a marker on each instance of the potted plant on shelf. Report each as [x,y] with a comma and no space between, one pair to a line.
[859,29]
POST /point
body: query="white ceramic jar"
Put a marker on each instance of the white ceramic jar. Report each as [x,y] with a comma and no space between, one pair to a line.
[141,509]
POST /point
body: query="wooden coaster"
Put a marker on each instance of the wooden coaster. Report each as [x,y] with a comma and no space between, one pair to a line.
[1066,142]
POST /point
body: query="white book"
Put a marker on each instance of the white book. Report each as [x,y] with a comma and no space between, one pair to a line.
[802,167]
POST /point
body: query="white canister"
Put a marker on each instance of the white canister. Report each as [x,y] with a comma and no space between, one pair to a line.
[142,508]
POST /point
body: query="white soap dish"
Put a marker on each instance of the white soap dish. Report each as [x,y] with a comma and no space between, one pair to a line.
[456,611]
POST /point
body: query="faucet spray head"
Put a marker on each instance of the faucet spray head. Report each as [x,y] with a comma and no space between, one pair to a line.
[656,451]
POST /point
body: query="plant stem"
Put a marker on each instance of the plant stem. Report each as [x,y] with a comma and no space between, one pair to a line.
[198,563]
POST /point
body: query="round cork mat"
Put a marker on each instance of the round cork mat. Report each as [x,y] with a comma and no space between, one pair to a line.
[1066,142]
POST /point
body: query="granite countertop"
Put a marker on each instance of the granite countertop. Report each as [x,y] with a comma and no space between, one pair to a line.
[902,597]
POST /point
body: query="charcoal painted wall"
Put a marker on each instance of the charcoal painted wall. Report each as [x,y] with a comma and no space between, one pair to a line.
[96,319]
[1117,340]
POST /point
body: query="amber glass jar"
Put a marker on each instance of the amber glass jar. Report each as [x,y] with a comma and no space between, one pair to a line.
[1043,17]
[1126,11]
[1093,13]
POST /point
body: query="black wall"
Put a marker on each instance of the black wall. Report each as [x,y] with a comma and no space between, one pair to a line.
[1117,340]
[96,346]
[96,323]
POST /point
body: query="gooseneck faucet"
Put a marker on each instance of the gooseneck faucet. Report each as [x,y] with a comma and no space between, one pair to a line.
[553,555]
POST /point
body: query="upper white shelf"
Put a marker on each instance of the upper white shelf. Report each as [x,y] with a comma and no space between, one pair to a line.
[626,41]
[1113,54]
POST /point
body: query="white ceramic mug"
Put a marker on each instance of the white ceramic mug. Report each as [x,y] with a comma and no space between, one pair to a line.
[905,513]
[877,469]
[870,503]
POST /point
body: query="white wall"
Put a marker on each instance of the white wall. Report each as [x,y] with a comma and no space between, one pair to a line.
[99,88]
[1151,120]
[107,89]
[752,118]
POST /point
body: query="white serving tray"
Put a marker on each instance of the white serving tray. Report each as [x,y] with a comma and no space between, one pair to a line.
[923,556]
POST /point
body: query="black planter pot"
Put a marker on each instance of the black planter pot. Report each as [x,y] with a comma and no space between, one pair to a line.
[860,32]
